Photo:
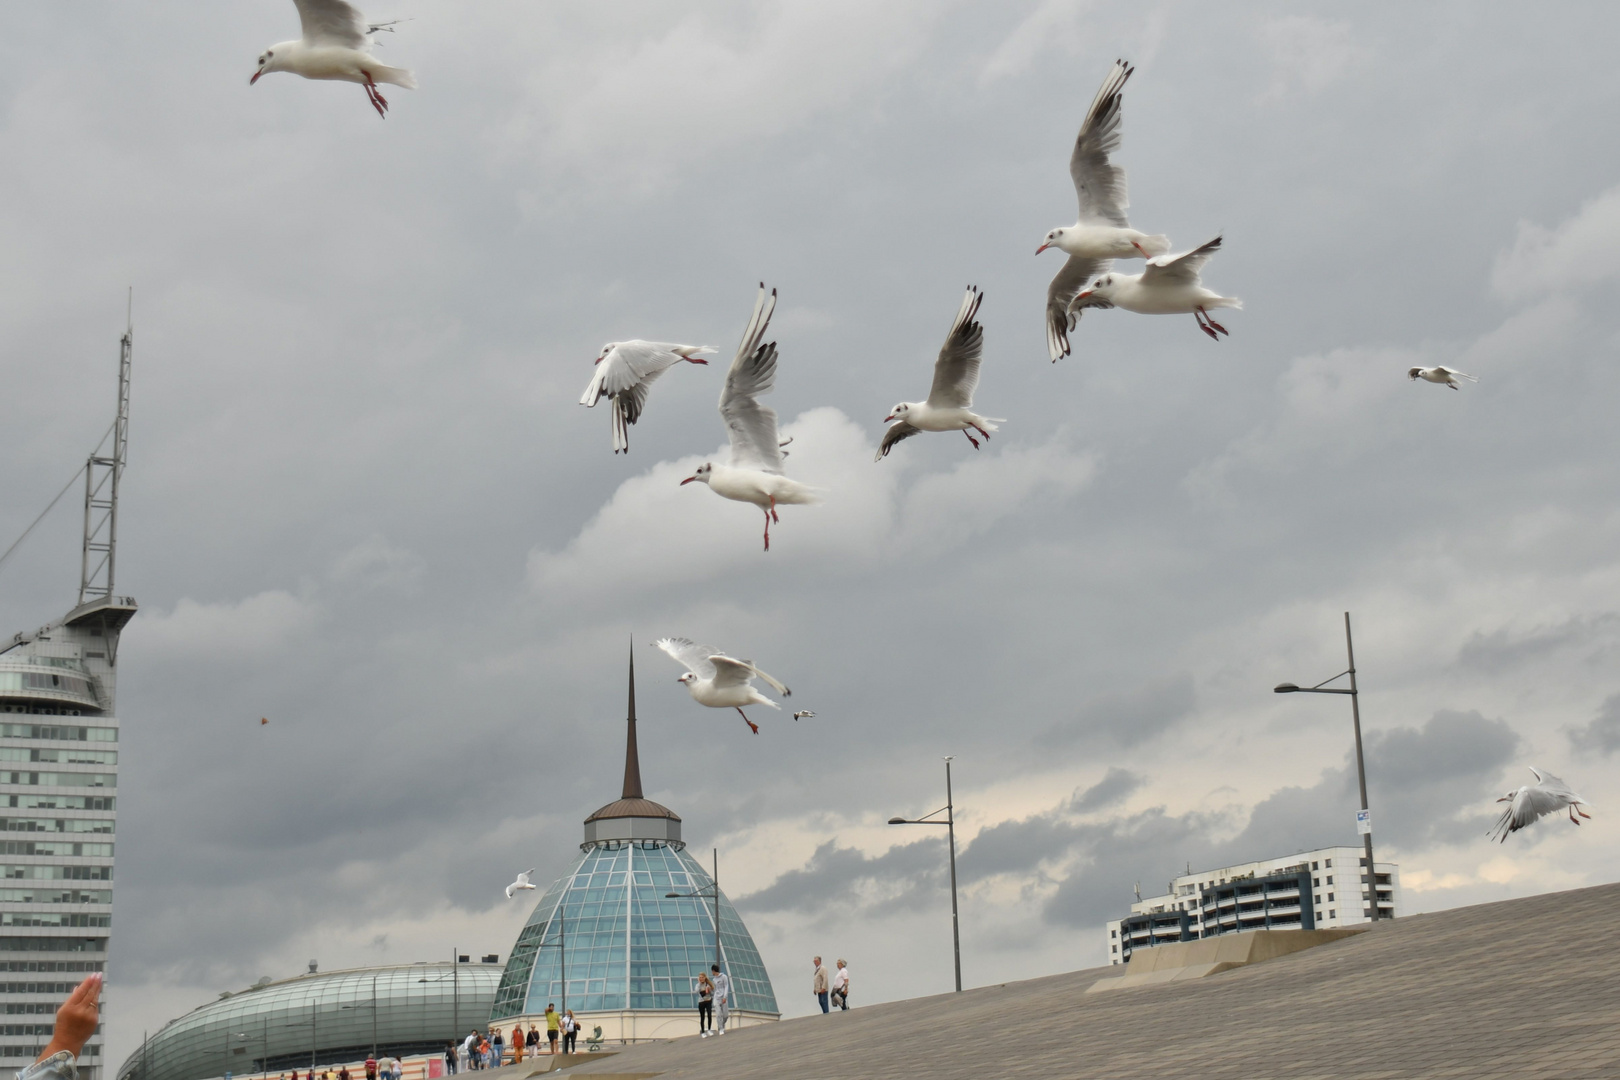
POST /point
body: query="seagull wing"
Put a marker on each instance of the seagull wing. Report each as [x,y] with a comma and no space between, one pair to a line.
[775,683]
[897,431]
[689,653]
[1182,269]
[1460,374]
[1099,183]
[1073,277]
[752,426]
[729,671]
[333,22]
[509,892]
[956,372]
[1555,787]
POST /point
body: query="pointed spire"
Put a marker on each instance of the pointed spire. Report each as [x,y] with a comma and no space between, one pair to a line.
[632,760]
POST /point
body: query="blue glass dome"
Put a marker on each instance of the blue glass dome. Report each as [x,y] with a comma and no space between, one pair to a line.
[628,947]
[625,944]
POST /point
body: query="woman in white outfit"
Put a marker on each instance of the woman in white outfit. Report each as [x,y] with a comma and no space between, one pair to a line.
[840,987]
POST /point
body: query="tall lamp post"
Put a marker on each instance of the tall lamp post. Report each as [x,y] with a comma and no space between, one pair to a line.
[560,944]
[710,890]
[949,811]
[1361,766]
[372,1005]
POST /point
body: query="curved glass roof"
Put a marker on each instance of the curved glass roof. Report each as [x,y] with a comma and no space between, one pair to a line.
[331,1015]
[624,943]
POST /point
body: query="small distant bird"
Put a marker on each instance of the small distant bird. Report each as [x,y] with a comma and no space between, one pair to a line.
[1168,285]
[1102,233]
[263,720]
[520,884]
[720,681]
[956,375]
[803,714]
[755,473]
[1442,375]
[1547,795]
[624,371]
[336,45]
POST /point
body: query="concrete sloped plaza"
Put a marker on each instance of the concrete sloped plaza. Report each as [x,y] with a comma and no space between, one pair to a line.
[1522,988]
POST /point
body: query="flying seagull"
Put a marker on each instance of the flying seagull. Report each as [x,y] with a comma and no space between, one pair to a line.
[1102,232]
[803,714]
[336,45]
[1547,795]
[755,473]
[956,375]
[1442,375]
[521,883]
[1167,285]
[720,681]
[624,371]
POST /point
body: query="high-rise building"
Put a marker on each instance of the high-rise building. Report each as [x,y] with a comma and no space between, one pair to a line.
[623,935]
[1308,891]
[59,780]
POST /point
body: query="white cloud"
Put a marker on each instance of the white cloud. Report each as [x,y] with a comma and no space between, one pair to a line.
[376,564]
[1582,252]
[1308,54]
[248,627]
[655,534]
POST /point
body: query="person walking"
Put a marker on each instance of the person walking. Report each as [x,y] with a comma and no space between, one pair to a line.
[483,1053]
[469,1050]
[705,996]
[722,999]
[553,1022]
[532,1041]
[449,1059]
[517,1044]
[818,985]
[371,1068]
[497,1047]
[840,987]
[570,1031]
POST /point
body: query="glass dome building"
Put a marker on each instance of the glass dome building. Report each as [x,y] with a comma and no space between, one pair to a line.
[608,941]
[320,1019]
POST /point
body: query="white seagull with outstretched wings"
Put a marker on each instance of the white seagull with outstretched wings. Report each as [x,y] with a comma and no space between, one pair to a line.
[336,45]
[624,371]
[956,376]
[1529,803]
[720,681]
[521,883]
[1103,232]
[755,472]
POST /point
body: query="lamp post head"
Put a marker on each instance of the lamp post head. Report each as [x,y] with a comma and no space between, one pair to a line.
[1286,688]
[897,821]
[672,896]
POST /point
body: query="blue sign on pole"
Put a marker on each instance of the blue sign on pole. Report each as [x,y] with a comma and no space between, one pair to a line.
[1363,827]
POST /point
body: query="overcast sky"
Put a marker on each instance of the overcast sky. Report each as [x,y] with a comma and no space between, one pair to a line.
[362,500]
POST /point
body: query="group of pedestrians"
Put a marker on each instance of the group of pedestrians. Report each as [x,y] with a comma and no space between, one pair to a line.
[386,1067]
[492,1049]
[831,992]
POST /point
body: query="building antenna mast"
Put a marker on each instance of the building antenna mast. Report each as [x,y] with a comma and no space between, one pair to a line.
[101,477]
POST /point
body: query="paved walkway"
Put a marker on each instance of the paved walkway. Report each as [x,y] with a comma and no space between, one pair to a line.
[1527,989]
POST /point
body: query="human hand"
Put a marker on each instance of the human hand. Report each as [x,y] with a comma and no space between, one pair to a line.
[76,1020]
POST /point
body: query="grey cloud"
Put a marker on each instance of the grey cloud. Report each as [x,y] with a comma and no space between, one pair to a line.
[1602,733]
[1125,718]
[904,877]
[1505,648]
[1116,784]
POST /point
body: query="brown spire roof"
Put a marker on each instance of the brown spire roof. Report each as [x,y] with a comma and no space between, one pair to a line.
[631,802]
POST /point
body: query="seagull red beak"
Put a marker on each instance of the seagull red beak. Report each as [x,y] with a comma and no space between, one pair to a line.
[886,419]
[1042,248]
[256,75]
[688,480]
[1083,295]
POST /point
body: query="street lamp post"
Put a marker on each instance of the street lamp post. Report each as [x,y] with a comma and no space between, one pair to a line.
[949,811]
[561,944]
[1361,766]
[229,1035]
[711,890]
[372,1005]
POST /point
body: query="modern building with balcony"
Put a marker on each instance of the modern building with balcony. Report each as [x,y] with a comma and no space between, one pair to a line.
[1311,890]
[59,781]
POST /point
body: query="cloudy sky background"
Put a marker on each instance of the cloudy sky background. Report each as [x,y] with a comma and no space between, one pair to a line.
[363,502]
